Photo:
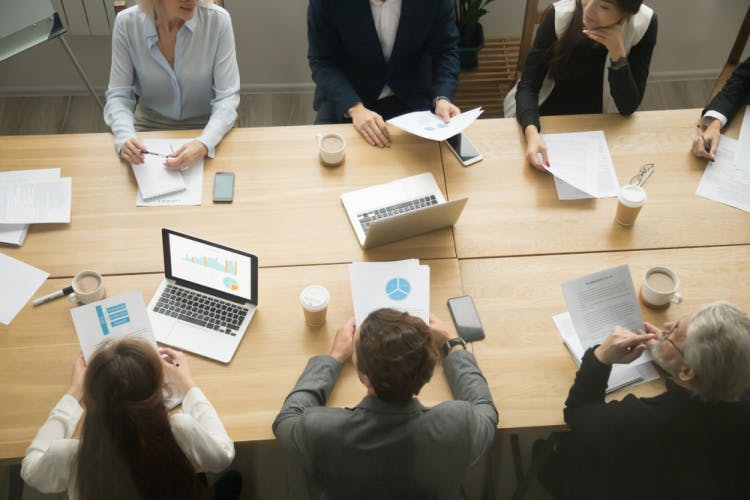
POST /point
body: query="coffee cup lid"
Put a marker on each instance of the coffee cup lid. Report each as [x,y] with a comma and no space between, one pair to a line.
[632,196]
[314,298]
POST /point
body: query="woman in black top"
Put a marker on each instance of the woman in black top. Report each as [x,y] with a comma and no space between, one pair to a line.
[620,34]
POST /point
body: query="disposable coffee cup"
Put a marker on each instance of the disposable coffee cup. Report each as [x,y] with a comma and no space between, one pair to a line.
[332,148]
[88,287]
[314,300]
[659,288]
[630,200]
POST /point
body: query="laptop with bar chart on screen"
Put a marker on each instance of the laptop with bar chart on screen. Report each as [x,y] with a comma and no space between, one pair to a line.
[208,296]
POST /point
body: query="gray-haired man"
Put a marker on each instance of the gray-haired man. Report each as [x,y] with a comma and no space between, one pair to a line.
[691,441]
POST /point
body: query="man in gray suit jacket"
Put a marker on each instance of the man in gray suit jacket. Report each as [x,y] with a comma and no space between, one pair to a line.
[389,446]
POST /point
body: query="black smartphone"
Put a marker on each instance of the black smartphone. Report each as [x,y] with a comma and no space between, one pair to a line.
[464,150]
[223,187]
[466,318]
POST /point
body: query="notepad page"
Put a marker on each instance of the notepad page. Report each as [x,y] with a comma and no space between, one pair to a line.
[154,179]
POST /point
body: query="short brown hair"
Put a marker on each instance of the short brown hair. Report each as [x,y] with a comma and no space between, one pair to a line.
[396,353]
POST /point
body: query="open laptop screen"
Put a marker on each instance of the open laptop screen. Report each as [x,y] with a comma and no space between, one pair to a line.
[226,272]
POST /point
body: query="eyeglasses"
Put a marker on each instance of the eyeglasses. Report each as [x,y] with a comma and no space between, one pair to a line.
[643,174]
[666,333]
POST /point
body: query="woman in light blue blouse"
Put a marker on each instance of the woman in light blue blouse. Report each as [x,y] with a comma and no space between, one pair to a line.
[178,57]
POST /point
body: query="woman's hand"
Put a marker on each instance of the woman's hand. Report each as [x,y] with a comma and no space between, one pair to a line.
[610,37]
[535,146]
[187,155]
[77,378]
[132,151]
[176,372]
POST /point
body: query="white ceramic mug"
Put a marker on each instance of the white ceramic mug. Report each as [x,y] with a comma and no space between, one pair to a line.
[660,297]
[88,287]
[331,156]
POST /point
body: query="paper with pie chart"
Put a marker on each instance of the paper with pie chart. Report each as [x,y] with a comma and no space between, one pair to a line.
[431,126]
[402,285]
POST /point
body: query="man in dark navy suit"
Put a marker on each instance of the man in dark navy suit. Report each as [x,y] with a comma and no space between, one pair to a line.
[721,110]
[372,60]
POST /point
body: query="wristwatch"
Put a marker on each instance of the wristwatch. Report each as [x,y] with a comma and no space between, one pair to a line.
[453,343]
[438,98]
[620,63]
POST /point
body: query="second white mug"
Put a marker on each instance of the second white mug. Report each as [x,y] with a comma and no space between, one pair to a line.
[332,148]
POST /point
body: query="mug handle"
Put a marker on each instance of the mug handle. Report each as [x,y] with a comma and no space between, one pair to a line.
[319,137]
[677,298]
[72,298]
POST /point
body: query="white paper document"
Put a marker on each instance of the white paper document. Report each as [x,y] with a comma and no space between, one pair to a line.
[153,178]
[39,201]
[601,301]
[431,126]
[402,285]
[15,234]
[112,318]
[726,180]
[192,177]
[621,375]
[18,282]
[582,165]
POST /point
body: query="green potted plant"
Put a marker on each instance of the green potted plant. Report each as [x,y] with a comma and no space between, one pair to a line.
[471,33]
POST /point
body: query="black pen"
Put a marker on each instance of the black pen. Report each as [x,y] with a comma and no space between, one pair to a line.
[154,154]
[65,291]
[705,144]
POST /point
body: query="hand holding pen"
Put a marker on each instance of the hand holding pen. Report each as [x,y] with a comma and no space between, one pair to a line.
[707,141]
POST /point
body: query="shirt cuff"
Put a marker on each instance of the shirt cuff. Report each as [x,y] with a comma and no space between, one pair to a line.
[209,146]
[193,397]
[714,114]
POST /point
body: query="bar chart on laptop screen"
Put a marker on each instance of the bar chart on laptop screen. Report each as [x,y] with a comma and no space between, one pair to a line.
[210,266]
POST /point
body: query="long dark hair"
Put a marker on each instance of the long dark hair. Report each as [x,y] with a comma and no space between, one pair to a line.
[127,448]
[559,54]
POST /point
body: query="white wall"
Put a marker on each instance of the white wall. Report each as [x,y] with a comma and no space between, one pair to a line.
[271,35]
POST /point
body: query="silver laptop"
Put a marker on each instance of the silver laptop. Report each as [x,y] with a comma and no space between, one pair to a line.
[207,298]
[399,209]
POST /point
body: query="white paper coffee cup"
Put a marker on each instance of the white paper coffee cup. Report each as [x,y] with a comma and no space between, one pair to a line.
[314,300]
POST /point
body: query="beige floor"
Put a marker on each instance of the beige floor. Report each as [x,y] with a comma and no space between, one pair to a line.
[268,473]
[80,114]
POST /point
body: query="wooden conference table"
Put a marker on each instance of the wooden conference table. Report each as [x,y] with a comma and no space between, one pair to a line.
[508,253]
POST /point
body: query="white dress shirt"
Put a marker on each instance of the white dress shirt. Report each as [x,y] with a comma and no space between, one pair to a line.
[714,114]
[50,461]
[386,14]
[205,78]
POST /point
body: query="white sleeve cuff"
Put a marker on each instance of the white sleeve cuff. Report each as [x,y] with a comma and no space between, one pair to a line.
[714,114]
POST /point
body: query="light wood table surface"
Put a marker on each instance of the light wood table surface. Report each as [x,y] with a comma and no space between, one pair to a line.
[528,367]
[513,209]
[38,349]
[286,207]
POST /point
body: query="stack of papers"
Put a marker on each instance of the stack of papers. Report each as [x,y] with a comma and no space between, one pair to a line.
[582,165]
[402,285]
[18,282]
[727,179]
[159,186]
[31,196]
[598,303]
[113,318]
[431,126]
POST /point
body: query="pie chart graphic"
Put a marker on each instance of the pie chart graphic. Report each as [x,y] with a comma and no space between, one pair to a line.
[397,289]
[231,283]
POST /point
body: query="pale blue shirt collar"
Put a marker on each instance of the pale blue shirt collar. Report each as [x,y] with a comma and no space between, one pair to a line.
[152,34]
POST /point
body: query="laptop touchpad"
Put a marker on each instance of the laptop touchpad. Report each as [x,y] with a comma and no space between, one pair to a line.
[189,337]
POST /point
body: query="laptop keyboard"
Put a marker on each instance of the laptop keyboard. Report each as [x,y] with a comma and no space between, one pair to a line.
[366,218]
[199,309]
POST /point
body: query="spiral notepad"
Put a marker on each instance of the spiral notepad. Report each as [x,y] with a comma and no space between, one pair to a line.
[154,179]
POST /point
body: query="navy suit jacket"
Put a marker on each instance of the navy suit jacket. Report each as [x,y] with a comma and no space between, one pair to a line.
[734,94]
[347,60]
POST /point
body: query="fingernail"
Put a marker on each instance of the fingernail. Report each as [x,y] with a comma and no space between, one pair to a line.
[547,164]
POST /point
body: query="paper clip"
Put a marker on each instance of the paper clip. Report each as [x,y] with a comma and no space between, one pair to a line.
[643,174]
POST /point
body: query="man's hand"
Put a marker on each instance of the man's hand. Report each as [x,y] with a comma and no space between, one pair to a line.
[622,346]
[610,37]
[440,333]
[446,110]
[132,151]
[706,143]
[77,378]
[187,155]
[343,343]
[536,146]
[370,125]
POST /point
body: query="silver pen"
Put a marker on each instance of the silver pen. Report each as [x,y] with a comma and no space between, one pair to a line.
[54,295]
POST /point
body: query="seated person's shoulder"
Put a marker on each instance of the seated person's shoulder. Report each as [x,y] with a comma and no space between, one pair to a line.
[215,13]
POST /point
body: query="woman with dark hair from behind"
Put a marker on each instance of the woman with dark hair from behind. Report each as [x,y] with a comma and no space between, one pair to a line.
[588,56]
[130,447]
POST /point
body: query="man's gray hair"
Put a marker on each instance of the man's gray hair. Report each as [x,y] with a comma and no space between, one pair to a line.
[717,348]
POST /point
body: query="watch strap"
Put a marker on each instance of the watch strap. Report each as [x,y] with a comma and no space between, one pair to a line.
[453,343]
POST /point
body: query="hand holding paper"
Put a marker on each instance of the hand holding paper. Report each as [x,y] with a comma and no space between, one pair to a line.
[431,126]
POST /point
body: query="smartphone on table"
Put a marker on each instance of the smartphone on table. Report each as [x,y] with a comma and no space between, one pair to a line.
[223,187]
[466,318]
[464,150]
